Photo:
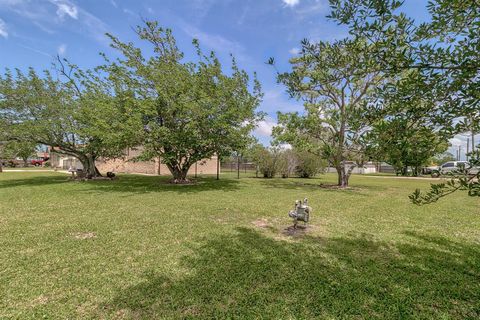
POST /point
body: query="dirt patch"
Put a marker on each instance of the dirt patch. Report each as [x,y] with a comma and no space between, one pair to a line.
[39,301]
[83,179]
[182,182]
[336,187]
[191,311]
[295,232]
[84,235]
[261,223]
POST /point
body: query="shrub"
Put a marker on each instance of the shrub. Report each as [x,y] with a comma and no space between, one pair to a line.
[267,163]
[11,163]
[309,165]
[287,163]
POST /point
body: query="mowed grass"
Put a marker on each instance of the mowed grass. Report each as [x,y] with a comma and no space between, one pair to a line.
[138,248]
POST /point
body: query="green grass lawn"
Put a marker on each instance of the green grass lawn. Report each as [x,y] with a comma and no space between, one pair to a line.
[140,248]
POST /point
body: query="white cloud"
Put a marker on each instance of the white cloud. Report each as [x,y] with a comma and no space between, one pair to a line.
[129,12]
[277,100]
[215,42]
[265,127]
[460,141]
[291,3]
[3,29]
[285,146]
[62,49]
[43,53]
[294,51]
[50,16]
[65,8]
[114,3]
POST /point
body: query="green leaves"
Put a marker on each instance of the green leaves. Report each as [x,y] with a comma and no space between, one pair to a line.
[76,113]
[462,179]
[189,111]
[436,63]
[335,81]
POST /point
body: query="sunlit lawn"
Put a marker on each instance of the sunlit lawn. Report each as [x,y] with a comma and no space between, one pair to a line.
[140,248]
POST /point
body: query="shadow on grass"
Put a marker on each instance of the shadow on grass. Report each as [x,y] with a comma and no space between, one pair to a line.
[126,183]
[314,184]
[148,184]
[249,275]
[33,181]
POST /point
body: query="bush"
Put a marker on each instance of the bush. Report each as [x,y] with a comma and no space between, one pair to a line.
[47,164]
[11,164]
[309,165]
[267,163]
[287,163]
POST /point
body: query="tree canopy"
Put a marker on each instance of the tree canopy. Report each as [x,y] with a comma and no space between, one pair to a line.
[444,53]
[178,111]
[189,110]
[77,113]
[335,80]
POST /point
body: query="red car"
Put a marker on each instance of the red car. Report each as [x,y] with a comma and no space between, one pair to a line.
[38,162]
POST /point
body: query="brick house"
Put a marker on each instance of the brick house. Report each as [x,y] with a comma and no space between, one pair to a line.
[62,161]
[127,165]
[156,167]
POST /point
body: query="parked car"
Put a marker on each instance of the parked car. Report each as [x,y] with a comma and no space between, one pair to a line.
[38,162]
[454,166]
[12,163]
[430,170]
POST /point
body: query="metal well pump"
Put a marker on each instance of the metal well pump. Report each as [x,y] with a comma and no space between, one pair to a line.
[301,212]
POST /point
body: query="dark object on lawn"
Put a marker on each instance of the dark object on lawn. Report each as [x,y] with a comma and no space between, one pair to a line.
[81,174]
[111,175]
[300,213]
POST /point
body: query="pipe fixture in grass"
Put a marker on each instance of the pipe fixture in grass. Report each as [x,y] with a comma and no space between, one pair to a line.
[301,212]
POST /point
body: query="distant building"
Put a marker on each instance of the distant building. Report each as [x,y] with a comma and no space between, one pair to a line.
[62,161]
[128,164]
[369,167]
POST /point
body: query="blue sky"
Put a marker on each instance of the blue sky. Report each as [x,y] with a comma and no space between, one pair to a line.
[32,31]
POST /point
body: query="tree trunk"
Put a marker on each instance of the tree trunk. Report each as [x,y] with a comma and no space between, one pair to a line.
[342,176]
[25,162]
[416,171]
[89,167]
[1,166]
[179,172]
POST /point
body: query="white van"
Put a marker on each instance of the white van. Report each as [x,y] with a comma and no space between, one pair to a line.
[454,166]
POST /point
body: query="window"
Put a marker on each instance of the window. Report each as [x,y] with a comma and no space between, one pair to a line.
[448,165]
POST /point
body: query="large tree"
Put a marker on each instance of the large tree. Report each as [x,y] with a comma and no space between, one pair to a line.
[79,114]
[444,50]
[408,134]
[335,81]
[20,149]
[405,144]
[190,110]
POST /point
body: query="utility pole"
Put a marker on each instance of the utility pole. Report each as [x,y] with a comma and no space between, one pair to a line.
[238,165]
[1,156]
[473,141]
[468,148]
[472,127]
